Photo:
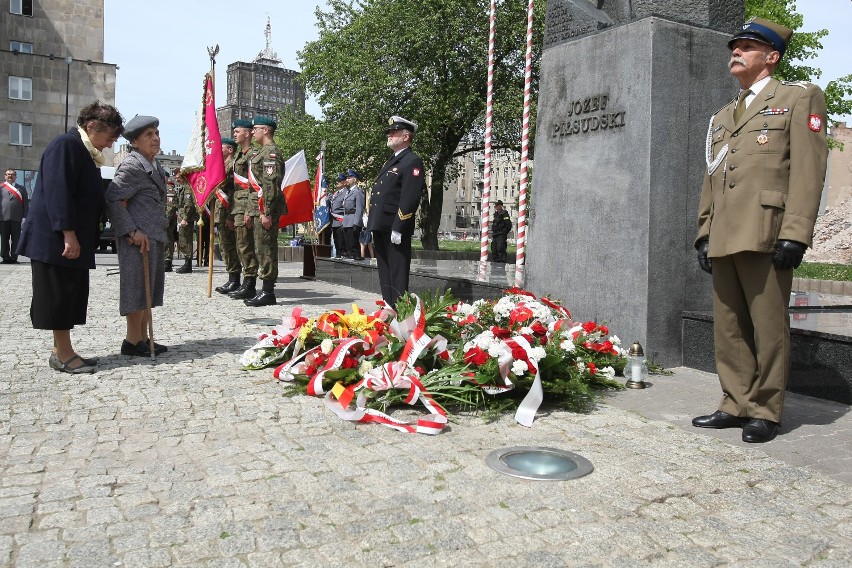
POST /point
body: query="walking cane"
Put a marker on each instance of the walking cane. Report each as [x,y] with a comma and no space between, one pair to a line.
[146,268]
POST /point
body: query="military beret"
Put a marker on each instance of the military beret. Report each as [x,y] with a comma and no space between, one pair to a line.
[764,31]
[229,142]
[241,123]
[137,125]
[341,177]
[352,173]
[398,123]
[264,121]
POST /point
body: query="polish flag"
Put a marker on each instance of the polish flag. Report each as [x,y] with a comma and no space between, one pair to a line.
[297,192]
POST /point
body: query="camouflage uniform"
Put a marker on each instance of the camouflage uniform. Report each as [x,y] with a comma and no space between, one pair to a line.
[242,203]
[171,229]
[267,167]
[228,237]
[185,212]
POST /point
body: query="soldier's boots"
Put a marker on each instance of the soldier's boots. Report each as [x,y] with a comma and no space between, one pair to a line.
[245,291]
[168,265]
[232,284]
[186,268]
[266,297]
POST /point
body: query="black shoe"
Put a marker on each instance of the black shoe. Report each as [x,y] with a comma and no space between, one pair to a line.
[244,292]
[358,258]
[168,266]
[227,287]
[719,419]
[186,268]
[263,299]
[158,349]
[759,430]
[140,349]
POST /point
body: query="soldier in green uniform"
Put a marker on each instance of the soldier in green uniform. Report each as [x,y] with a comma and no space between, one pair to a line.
[171,217]
[186,219]
[266,174]
[227,235]
[244,195]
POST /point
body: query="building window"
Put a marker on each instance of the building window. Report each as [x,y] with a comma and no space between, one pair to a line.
[21,88]
[20,134]
[21,7]
[21,46]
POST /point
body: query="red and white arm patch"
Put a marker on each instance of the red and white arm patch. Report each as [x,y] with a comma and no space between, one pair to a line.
[815,122]
[416,171]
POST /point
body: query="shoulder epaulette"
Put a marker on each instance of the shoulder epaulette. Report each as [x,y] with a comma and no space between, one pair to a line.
[723,106]
[802,84]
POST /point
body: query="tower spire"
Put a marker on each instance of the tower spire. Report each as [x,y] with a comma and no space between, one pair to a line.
[268,55]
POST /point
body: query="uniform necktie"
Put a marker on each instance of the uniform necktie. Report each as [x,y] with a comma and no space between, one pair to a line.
[741,105]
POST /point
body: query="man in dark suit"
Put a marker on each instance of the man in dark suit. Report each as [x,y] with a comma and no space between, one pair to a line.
[766,162]
[500,227]
[13,208]
[393,202]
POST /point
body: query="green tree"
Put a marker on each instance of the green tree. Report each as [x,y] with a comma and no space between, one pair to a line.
[427,61]
[803,46]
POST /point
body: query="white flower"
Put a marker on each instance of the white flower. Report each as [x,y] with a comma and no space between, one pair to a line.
[538,353]
[519,368]
[567,345]
[573,330]
[496,349]
[526,331]
[581,366]
[365,367]
[607,372]
[326,346]
[614,340]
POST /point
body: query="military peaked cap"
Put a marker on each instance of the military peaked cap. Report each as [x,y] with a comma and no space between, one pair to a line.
[398,123]
[352,173]
[341,177]
[137,125]
[764,31]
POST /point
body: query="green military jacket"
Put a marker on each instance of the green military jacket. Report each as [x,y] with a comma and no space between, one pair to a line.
[186,210]
[267,168]
[226,192]
[765,173]
[242,195]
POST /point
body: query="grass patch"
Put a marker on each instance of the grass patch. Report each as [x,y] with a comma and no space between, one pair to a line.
[824,271]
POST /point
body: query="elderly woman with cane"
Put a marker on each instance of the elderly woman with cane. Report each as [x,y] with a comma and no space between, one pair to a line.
[136,204]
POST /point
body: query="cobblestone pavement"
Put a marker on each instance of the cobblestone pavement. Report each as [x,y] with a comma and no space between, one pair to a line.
[190,461]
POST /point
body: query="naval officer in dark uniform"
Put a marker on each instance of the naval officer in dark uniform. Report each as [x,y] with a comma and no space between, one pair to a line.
[393,202]
[766,162]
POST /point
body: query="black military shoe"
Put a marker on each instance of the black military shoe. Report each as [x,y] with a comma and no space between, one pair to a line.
[246,291]
[168,266]
[186,268]
[232,284]
[263,299]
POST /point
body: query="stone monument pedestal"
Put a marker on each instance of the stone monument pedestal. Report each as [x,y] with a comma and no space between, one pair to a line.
[619,161]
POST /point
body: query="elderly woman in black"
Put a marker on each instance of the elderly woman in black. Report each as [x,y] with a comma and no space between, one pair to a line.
[136,204]
[61,232]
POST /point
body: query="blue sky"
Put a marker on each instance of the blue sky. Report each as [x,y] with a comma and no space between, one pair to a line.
[162,53]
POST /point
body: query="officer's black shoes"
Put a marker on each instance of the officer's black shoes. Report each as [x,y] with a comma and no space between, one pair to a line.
[246,291]
[719,419]
[263,299]
[266,296]
[758,431]
[186,268]
[232,284]
[168,266]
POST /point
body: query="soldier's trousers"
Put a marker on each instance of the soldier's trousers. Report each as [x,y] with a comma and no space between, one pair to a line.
[228,249]
[245,247]
[169,253]
[266,246]
[185,240]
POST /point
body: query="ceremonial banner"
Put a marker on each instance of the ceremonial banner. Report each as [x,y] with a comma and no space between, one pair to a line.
[297,191]
[322,216]
[203,165]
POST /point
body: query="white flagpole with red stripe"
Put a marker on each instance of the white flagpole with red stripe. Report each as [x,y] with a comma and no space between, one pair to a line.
[520,255]
[486,181]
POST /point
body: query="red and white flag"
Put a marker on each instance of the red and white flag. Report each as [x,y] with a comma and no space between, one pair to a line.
[297,191]
[204,165]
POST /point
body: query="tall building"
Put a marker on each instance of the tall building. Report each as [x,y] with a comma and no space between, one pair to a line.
[262,87]
[838,179]
[51,56]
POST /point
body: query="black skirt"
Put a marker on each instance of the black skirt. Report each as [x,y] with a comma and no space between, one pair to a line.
[60,296]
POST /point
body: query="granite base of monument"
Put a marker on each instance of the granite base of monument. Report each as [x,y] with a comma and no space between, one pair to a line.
[620,155]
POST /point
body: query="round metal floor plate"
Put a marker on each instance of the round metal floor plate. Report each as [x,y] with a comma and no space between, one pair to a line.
[262,321]
[540,463]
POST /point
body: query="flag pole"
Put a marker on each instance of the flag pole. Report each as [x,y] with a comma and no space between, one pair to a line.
[521,241]
[212,52]
[486,178]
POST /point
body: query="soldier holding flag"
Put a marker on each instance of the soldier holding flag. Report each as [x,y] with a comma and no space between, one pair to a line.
[227,235]
[244,195]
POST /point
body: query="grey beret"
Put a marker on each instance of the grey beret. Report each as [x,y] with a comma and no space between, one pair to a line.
[137,125]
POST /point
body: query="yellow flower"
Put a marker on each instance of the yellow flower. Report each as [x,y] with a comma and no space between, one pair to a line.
[356,322]
[306,330]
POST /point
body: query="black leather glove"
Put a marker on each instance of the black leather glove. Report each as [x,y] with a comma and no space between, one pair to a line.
[788,254]
[703,260]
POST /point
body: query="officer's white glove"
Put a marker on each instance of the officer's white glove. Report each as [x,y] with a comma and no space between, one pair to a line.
[396,237]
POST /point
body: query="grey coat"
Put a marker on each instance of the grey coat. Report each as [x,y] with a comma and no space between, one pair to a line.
[353,207]
[142,185]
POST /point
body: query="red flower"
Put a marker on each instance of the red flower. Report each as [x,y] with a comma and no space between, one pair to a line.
[501,333]
[519,292]
[349,362]
[520,314]
[332,317]
[590,327]
[420,370]
[539,329]
[555,306]
[593,369]
[310,370]
[476,356]
[604,330]
[518,353]
[543,340]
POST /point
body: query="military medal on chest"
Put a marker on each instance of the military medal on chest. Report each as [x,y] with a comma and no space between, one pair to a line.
[762,138]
